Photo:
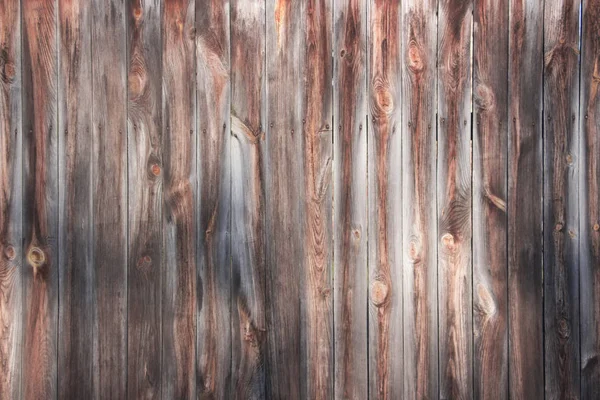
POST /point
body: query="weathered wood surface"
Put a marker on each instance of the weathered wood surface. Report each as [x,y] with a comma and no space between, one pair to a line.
[350,198]
[561,199]
[489,219]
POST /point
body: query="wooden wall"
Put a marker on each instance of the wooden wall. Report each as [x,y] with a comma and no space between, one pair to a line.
[300,199]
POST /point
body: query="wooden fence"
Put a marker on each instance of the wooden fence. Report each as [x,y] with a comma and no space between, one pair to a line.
[299,199]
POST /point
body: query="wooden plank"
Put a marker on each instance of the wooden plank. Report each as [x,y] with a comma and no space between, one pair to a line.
[454,200]
[419,240]
[109,166]
[385,201]
[248,122]
[490,138]
[77,362]
[11,201]
[180,190]
[213,202]
[144,175]
[525,307]
[561,208]
[350,200]
[589,120]
[40,199]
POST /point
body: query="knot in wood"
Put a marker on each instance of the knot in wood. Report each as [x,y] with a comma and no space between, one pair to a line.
[485,98]
[563,328]
[383,99]
[596,227]
[448,242]
[414,251]
[9,252]
[36,257]
[415,58]
[155,169]
[379,292]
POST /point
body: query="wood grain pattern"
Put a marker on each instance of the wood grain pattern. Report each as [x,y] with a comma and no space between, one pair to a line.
[350,199]
[248,147]
[561,208]
[11,200]
[144,176]
[179,147]
[110,189]
[213,237]
[77,324]
[40,199]
[419,230]
[454,199]
[589,122]
[490,259]
[385,202]
[525,306]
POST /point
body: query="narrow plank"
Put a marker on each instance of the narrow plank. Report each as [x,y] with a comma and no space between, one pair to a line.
[180,189]
[248,122]
[589,226]
[490,138]
[109,183]
[77,360]
[40,198]
[454,199]
[561,200]
[385,216]
[525,306]
[350,200]
[419,240]
[11,200]
[144,177]
[213,202]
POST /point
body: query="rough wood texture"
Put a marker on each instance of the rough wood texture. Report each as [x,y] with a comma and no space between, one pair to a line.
[589,120]
[179,147]
[77,360]
[561,190]
[419,227]
[490,138]
[11,201]
[144,163]
[109,183]
[350,199]
[248,124]
[40,199]
[385,204]
[525,312]
[454,200]
[213,201]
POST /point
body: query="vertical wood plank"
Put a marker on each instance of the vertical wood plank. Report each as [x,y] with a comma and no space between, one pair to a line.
[109,165]
[40,198]
[525,312]
[490,138]
[11,201]
[454,199]
[144,174]
[419,241]
[590,200]
[214,273]
[248,112]
[385,202]
[350,199]
[180,194]
[561,208]
[77,358]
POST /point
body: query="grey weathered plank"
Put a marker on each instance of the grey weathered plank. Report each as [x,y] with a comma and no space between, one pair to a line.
[179,153]
[11,208]
[490,138]
[144,177]
[77,324]
[213,201]
[525,307]
[385,201]
[419,227]
[109,185]
[589,250]
[561,199]
[248,124]
[350,199]
[40,198]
